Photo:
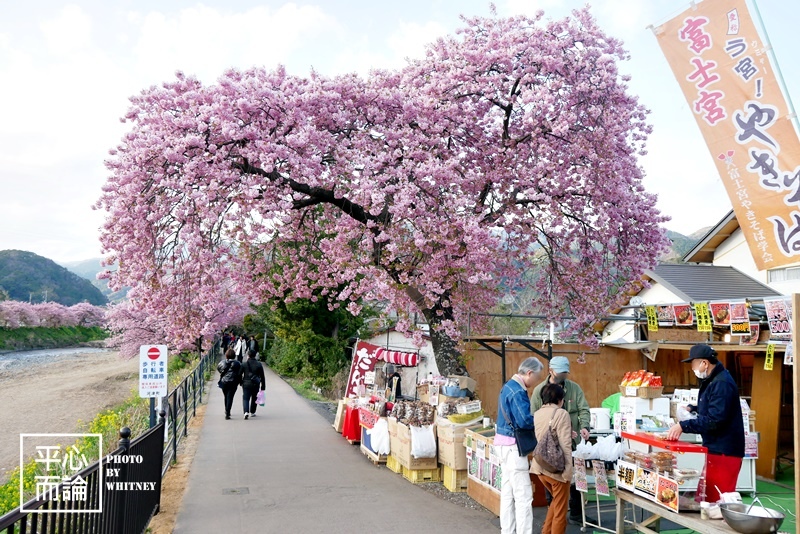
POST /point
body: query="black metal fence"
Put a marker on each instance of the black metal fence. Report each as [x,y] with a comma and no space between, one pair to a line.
[125,503]
[118,504]
[182,403]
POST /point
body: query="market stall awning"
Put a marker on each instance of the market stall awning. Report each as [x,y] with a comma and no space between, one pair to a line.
[648,348]
[409,359]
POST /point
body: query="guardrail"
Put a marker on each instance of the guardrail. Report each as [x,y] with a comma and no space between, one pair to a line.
[125,504]
[182,403]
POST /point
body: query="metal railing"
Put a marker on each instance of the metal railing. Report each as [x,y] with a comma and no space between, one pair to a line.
[128,502]
[123,505]
[182,403]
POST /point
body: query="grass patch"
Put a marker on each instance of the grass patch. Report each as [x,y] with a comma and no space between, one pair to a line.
[305,387]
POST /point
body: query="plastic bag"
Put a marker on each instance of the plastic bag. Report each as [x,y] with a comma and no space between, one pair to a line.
[379,436]
[260,397]
[423,442]
[682,413]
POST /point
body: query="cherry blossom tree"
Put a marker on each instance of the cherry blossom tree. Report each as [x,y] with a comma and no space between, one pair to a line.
[509,150]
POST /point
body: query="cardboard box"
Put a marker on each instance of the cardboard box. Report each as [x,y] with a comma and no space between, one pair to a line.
[338,421]
[452,452]
[465,382]
[403,451]
[394,440]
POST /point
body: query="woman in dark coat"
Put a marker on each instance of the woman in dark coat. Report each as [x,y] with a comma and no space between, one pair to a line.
[229,371]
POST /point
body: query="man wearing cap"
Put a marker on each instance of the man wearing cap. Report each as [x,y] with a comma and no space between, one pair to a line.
[579,415]
[718,421]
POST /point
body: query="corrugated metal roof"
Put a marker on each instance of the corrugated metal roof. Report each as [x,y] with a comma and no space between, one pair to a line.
[700,283]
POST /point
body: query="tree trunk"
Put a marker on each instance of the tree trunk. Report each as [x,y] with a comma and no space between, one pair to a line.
[448,358]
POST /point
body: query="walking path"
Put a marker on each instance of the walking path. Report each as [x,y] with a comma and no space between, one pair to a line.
[287,470]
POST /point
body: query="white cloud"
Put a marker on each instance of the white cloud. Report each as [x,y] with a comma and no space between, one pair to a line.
[204,41]
[69,33]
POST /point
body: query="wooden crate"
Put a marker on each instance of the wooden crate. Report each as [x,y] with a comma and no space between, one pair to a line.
[374,457]
[418,476]
[454,480]
[484,495]
[393,464]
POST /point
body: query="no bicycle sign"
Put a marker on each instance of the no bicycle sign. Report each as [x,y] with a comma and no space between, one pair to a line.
[152,371]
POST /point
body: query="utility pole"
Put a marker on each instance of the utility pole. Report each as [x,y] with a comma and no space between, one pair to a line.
[45,295]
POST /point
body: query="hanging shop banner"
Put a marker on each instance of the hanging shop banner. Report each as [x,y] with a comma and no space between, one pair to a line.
[720,313]
[652,318]
[788,355]
[779,316]
[752,339]
[364,360]
[740,319]
[731,85]
[683,314]
[666,315]
[770,359]
[703,315]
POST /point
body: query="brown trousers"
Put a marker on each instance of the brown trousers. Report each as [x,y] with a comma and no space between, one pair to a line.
[556,520]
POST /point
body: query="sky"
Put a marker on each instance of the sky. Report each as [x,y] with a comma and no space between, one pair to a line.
[67,70]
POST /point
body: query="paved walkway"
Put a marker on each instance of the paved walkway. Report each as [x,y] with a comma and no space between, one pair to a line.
[287,470]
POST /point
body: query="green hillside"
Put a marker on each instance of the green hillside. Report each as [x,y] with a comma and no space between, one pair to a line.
[28,277]
[88,269]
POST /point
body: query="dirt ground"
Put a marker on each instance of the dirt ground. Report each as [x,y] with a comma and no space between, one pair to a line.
[55,396]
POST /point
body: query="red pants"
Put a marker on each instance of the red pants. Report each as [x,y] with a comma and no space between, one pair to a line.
[721,475]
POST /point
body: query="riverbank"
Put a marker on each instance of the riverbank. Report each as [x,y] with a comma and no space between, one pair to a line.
[30,338]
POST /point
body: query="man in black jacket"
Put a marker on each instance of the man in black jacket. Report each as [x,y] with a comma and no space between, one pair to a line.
[718,421]
[252,379]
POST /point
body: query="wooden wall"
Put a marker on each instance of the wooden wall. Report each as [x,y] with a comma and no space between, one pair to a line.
[599,377]
[766,402]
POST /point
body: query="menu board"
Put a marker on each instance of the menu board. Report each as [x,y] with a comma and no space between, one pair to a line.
[581,484]
[667,493]
[626,474]
[646,483]
[600,477]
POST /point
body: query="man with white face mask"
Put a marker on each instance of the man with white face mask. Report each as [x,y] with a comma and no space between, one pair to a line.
[719,421]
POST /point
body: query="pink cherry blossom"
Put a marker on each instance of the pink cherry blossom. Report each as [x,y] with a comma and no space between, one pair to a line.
[510,150]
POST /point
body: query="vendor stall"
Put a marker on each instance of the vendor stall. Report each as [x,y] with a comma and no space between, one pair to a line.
[649,478]
[688,520]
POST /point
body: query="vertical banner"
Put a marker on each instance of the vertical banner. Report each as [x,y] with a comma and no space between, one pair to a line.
[731,86]
[365,356]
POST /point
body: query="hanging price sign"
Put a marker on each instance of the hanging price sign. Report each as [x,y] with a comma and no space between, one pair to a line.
[770,357]
[652,318]
[703,317]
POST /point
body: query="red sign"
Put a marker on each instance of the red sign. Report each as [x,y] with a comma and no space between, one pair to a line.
[153,353]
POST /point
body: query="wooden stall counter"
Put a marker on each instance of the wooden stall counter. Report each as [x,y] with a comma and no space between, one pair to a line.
[687,519]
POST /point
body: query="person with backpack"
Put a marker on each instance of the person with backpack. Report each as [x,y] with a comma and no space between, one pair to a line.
[229,372]
[252,379]
[556,478]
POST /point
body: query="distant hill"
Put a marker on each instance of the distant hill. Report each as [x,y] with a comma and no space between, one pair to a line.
[88,269]
[29,277]
[682,244]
